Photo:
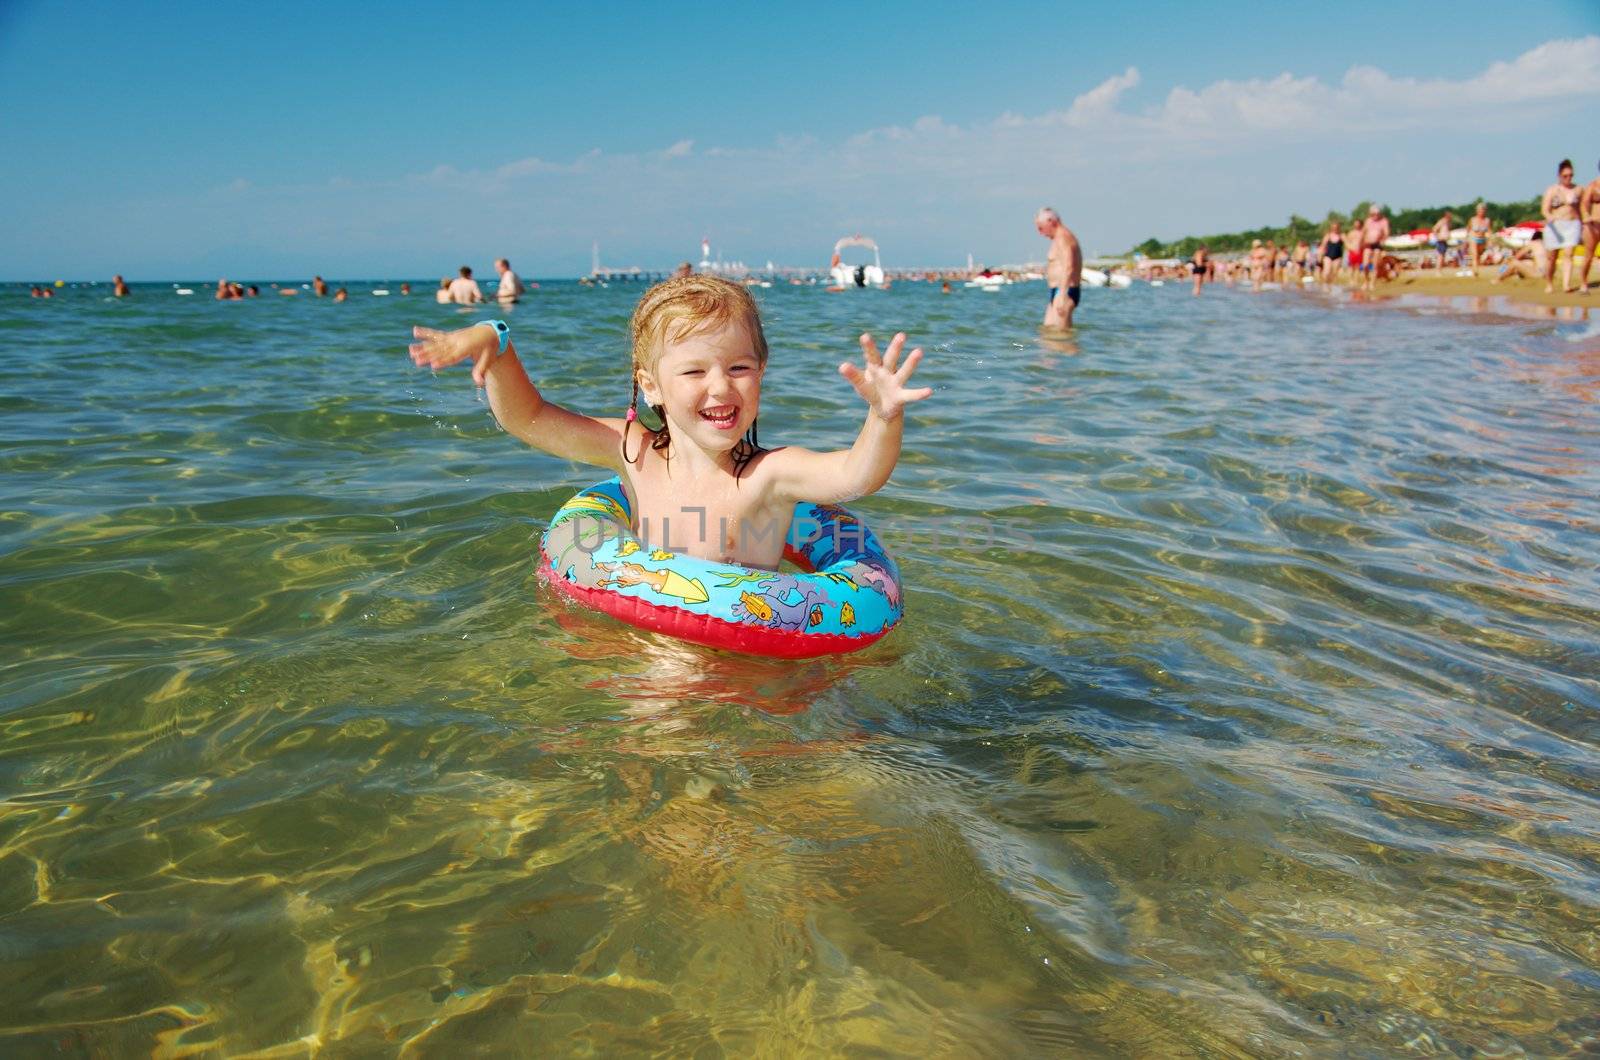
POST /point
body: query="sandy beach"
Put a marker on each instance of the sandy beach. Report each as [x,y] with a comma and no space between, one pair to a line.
[1449,285]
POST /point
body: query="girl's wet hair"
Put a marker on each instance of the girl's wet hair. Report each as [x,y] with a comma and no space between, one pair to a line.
[679,307]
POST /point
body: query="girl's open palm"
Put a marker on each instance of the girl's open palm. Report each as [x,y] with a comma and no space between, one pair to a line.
[881,381]
[440,349]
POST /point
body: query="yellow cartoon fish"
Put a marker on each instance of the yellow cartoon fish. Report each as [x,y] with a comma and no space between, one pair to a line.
[847,615]
[756,606]
[627,548]
[660,554]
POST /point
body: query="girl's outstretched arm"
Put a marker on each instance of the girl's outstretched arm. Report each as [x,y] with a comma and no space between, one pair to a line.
[515,401]
[845,475]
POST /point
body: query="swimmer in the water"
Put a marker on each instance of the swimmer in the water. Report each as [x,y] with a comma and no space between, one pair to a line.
[464,290]
[1063,270]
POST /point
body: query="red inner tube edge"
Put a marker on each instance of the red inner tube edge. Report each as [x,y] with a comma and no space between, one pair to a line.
[708,630]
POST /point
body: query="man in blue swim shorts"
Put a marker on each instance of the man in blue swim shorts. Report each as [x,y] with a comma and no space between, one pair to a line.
[1074,295]
[1063,270]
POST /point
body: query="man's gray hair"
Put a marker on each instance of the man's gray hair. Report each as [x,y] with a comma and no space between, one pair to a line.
[1046,213]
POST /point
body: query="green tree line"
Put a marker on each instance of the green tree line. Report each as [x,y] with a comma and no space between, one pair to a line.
[1298,228]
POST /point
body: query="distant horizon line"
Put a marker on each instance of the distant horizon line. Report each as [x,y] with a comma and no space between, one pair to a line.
[616,276]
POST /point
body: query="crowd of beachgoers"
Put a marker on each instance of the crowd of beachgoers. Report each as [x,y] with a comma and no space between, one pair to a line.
[1365,252]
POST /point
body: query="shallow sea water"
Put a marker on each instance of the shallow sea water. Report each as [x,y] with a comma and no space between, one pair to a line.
[1248,700]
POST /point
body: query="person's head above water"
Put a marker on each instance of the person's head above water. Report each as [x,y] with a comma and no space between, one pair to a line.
[675,309]
[698,356]
[466,272]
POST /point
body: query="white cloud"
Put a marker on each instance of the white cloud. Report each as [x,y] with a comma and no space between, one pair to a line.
[1554,70]
[1368,99]
[1100,101]
[1365,99]
[681,149]
[524,167]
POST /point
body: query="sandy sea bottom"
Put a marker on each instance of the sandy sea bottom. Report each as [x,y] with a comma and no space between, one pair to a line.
[1246,702]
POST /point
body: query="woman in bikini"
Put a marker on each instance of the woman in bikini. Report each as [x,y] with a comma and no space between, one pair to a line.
[1258,264]
[1562,229]
[1478,235]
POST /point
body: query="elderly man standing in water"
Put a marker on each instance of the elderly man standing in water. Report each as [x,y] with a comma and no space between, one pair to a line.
[1063,269]
[511,288]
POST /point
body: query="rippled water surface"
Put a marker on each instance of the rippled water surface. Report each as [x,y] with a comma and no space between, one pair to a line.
[1246,704]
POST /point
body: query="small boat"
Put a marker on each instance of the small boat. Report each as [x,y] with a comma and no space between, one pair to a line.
[381,292]
[844,275]
[988,280]
[1101,278]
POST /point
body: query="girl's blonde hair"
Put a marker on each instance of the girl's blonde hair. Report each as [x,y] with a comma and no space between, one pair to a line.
[675,308]
[679,307]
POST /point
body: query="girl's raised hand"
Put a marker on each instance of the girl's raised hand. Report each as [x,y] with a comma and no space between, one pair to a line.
[440,349]
[880,382]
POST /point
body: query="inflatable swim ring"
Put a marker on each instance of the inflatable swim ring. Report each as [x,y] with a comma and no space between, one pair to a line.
[846,596]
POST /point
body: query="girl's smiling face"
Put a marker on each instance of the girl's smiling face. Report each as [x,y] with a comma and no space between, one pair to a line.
[709,382]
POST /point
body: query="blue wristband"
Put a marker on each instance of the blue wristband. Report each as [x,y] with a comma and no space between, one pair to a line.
[502,329]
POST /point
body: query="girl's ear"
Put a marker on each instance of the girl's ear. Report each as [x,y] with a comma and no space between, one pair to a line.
[647,386]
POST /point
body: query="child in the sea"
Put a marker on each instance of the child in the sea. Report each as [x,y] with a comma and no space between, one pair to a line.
[701,484]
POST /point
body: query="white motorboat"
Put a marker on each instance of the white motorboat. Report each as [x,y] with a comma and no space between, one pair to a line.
[844,275]
[1101,278]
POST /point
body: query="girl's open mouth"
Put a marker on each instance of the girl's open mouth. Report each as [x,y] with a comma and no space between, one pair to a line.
[722,417]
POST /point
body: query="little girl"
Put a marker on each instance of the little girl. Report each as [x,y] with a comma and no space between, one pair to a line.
[701,484]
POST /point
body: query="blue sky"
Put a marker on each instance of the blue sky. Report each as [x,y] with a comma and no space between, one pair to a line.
[175,140]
